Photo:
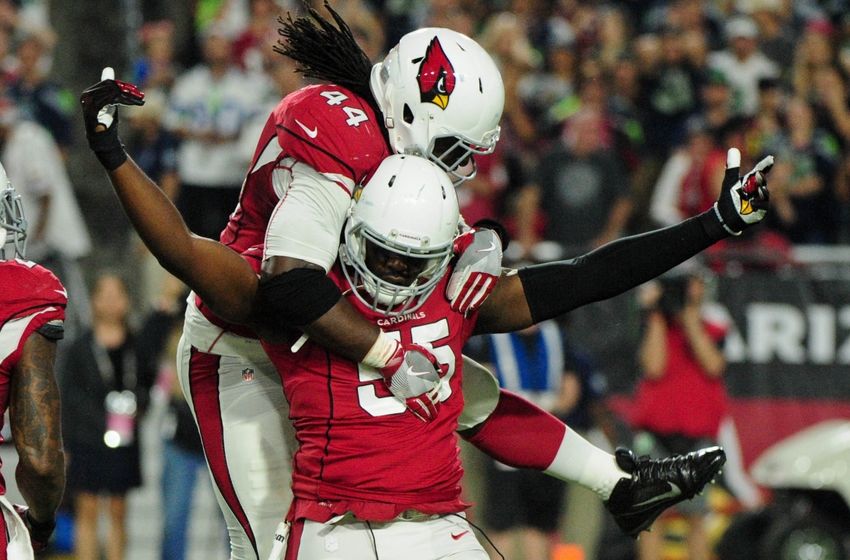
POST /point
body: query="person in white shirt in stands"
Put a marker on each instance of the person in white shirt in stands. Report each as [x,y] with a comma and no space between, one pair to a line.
[209,106]
[743,63]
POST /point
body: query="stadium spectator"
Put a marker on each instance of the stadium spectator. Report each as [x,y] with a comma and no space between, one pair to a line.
[669,89]
[38,98]
[209,105]
[717,102]
[683,189]
[540,91]
[504,38]
[743,63]
[777,39]
[250,47]
[32,305]
[681,399]
[805,201]
[156,69]
[815,51]
[368,29]
[105,379]
[58,236]
[583,188]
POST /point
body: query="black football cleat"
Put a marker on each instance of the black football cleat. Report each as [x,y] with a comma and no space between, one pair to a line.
[657,484]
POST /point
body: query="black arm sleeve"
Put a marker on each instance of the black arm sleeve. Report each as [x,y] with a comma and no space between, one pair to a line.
[552,289]
[295,298]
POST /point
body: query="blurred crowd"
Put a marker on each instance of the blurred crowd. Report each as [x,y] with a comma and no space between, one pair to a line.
[617,119]
[617,114]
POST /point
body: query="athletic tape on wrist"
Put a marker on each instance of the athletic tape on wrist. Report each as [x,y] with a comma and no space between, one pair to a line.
[381,351]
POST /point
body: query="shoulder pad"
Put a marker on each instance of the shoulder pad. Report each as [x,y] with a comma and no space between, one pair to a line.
[331,129]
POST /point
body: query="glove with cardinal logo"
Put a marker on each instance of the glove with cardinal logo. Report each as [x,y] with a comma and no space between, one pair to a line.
[743,201]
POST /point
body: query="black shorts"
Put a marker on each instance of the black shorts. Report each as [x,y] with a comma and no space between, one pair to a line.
[522,498]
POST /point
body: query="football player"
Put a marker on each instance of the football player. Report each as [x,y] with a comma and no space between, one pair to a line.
[372,481]
[32,311]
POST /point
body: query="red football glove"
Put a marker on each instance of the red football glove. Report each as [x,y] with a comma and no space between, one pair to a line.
[39,531]
[476,271]
[100,115]
[413,375]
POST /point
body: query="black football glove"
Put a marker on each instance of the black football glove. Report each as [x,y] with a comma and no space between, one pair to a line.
[100,114]
[743,200]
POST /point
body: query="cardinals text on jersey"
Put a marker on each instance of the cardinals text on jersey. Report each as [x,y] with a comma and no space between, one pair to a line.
[360,449]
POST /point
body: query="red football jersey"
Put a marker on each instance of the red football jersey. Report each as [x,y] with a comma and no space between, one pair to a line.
[360,449]
[327,127]
[30,298]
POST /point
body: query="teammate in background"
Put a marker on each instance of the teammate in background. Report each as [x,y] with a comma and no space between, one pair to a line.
[32,311]
[229,285]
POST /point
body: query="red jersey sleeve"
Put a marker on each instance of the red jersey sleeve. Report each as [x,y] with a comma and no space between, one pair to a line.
[26,288]
[31,299]
[331,129]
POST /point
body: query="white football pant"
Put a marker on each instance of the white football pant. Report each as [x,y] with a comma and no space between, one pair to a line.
[239,406]
[441,538]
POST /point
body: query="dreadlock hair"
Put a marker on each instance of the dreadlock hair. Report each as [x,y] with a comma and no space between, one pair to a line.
[326,51]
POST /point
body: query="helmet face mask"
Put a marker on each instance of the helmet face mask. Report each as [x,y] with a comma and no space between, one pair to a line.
[455,155]
[437,84]
[385,294]
[13,224]
[399,237]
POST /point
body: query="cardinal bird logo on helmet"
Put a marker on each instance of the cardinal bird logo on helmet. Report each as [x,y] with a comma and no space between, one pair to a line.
[436,76]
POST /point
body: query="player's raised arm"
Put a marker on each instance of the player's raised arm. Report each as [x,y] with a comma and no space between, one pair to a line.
[548,290]
[219,275]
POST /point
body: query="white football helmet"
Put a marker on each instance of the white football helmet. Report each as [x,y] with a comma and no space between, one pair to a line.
[408,210]
[441,96]
[13,224]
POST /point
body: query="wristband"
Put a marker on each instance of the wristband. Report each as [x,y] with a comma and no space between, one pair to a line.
[381,351]
[108,149]
[40,530]
[729,230]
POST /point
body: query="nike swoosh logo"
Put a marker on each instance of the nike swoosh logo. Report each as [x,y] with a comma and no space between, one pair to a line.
[486,249]
[459,535]
[672,493]
[62,293]
[312,133]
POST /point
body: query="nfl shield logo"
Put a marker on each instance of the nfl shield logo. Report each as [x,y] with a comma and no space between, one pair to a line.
[247,374]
